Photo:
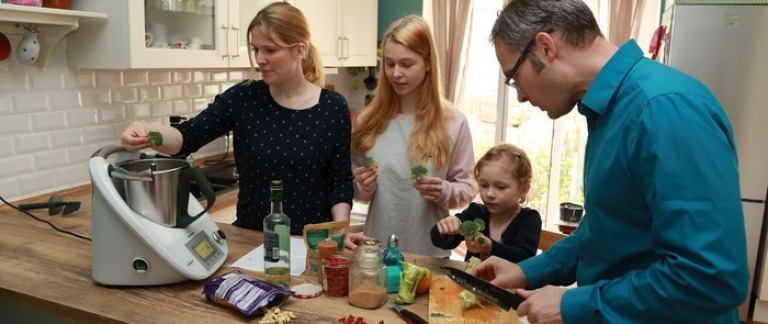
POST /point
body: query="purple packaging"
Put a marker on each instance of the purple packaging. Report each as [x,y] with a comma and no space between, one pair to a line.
[248,295]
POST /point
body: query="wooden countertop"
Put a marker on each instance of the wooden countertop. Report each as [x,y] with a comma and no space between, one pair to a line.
[51,272]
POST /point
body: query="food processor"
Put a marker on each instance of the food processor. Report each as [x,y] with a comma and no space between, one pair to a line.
[147,228]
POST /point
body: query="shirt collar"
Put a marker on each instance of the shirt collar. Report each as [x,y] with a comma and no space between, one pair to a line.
[609,78]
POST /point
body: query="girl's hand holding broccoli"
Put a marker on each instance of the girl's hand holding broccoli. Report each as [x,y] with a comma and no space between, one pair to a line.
[449,225]
[474,245]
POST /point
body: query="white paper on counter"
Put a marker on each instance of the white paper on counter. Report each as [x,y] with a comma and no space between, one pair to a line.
[254,260]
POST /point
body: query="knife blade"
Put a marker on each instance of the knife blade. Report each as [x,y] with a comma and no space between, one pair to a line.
[408,316]
[506,300]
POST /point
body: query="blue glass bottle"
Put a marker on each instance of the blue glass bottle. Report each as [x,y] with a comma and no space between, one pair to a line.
[392,258]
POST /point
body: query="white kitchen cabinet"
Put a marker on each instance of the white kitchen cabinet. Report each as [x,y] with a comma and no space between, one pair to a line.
[164,34]
[344,31]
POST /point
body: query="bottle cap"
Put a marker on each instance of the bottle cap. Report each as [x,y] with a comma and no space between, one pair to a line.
[307,290]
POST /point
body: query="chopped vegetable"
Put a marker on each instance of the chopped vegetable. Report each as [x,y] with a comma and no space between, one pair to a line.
[418,172]
[471,230]
[155,138]
[409,279]
[469,299]
[371,162]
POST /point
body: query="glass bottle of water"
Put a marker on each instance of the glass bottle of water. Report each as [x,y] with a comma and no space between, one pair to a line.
[277,239]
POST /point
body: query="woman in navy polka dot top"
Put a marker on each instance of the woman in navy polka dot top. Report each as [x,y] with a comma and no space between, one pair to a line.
[285,127]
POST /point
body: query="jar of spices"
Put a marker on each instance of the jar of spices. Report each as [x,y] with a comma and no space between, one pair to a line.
[336,276]
[368,277]
[325,249]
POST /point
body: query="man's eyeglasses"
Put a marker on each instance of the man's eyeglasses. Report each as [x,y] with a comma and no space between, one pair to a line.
[508,77]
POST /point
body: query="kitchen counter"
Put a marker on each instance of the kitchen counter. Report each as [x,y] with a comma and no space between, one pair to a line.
[51,273]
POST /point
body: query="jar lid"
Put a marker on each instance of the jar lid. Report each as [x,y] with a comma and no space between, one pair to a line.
[307,290]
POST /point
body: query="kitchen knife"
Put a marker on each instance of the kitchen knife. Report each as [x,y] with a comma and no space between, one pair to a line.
[506,300]
[407,315]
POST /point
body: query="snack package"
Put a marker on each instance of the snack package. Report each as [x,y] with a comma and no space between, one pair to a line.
[248,295]
[316,233]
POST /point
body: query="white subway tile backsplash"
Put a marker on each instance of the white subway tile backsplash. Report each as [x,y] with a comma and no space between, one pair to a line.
[134,78]
[67,137]
[190,91]
[124,95]
[5,104]
[49,120]
[182,77]
[81,154]
[38,181]
[82,80]
[111,114]
[29,102]
[211,89]
[137,111]
[172,92]
[163,108]
[220,76]
[64,100]
[81,117]
[201,76]
[13,81]
[73,175]
[200,104]
[16,165]
[52,120]
[6,146]
[108,79]
[227,85]
[46,81]
[159,77]
[182,106]
[96,97]
[26,143]
[9,187]
[14,124]
[236,76]
[149,94]
[98,133]
[51,159]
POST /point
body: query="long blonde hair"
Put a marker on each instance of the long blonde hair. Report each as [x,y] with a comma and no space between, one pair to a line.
[291,27]
[429,138]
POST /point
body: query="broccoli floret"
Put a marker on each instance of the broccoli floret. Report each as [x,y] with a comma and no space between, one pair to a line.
[371,162]
[418,172]
[155,138]
[471,230]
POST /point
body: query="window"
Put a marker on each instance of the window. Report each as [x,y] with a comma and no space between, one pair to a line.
[556,148]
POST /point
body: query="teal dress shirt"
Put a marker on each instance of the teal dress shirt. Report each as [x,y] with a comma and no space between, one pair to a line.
[663,238]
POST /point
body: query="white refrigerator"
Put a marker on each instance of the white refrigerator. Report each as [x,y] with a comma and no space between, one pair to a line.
[725,47]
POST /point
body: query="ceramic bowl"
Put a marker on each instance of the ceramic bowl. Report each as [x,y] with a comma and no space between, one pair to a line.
[571,212]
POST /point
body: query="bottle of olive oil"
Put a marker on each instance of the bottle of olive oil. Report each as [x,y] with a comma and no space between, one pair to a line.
[277,239]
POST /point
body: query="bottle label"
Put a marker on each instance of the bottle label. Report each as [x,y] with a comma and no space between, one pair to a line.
[274,242]
[271,247]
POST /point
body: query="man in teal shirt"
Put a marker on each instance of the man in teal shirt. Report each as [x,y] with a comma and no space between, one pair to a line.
[663,238]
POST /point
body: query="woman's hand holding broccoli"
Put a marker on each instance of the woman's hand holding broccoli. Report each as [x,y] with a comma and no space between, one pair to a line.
[367,176]
[429,188]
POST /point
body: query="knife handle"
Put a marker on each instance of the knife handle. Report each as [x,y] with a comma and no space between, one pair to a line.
[411,317]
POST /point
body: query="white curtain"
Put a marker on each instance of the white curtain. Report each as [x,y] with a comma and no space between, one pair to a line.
[451,19]
[625,18]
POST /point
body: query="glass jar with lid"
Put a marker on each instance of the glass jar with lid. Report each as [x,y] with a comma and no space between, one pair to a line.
[368,277]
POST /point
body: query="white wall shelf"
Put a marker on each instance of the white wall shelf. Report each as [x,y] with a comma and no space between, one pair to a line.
[52,24]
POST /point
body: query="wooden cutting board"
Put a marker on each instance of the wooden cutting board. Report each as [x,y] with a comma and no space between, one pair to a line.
[445,306]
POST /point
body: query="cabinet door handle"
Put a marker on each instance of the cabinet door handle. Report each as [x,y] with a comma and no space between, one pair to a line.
[346,47]
[224,27]
[235,31]
[340,48]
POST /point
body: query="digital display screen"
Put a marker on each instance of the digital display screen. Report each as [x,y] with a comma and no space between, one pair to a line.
[204,249]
